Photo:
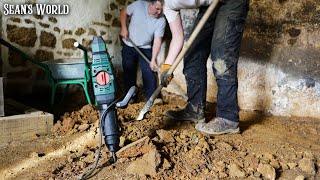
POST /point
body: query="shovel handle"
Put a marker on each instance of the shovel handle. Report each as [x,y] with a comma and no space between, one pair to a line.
[175,86]
[193,36]
[138,50]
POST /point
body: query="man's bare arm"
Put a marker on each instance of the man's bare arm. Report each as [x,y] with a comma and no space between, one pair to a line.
[176,43]
[123,20]
[155,51]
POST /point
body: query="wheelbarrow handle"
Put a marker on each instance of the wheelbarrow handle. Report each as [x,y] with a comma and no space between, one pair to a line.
[78,45]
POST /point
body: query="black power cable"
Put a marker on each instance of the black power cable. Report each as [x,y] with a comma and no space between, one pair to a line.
[103,116]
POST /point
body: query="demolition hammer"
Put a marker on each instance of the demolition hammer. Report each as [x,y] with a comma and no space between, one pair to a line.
[104,88]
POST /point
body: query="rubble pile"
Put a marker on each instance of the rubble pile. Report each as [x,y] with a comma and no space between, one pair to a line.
[76,121]
[159,148]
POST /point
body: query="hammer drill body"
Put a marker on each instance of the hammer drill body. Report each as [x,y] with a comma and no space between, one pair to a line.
[103,81]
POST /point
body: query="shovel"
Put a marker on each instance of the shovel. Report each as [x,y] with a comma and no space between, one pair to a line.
[194,34]
[175,86]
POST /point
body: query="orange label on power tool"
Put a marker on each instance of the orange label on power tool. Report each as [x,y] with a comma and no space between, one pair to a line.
[103,78]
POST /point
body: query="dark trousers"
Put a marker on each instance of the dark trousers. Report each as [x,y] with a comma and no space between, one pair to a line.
[130,59]
[220,36]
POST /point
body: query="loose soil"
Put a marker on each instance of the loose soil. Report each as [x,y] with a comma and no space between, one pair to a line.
[268,147]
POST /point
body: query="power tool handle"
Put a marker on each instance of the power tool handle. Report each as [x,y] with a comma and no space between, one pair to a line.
[132,91]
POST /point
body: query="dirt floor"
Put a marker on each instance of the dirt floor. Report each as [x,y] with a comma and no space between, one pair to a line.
[157,148]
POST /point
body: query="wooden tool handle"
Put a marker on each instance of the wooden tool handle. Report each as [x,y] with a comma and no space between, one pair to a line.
[193,35]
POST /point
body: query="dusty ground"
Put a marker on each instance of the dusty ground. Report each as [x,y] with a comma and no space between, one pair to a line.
[267,148]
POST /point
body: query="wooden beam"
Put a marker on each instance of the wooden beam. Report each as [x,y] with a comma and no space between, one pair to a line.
[25,126]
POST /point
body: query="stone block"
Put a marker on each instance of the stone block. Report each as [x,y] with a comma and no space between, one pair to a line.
[43,55]
[53,19]
[22,35]
[107,16]
[80,31]
[68,43]
[47,39]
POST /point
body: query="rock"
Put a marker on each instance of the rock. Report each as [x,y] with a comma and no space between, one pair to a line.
[156,139]
[318,164]
[194,139]
[147,165]
[308,155]
[307,165]
[182,136]
[269,156]
[185,149]
[236,171]
[221,166]
[256,174]
[89,158]
[34,155]
[137,148]
[166,164]
[292,165]
[56,127]
[83,127]
[71,157]
[274,163]
[122,160]
[225,146]
[166,136]
[68,124]
[122,140]
[299,177]
[284,166]
[243,154]
[204,146]
[37,155]
[205,171]
[82,164]
[96,124]
[252,162]
[267,171]
[222,175]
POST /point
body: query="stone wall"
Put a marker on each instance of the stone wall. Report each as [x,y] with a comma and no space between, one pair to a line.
[48,37]
[280,58]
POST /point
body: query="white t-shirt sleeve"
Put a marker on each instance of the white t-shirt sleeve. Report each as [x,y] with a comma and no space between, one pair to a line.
[131,7]
[170,14]
[159,32]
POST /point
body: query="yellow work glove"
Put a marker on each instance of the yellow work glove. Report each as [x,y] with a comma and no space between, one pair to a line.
[165,78]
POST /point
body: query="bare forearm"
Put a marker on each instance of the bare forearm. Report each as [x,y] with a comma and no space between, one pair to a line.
[123,18]
[156,48]
[123,22]
[174,50]
[176,43]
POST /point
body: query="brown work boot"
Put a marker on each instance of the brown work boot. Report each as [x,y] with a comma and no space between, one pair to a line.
[218,126]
